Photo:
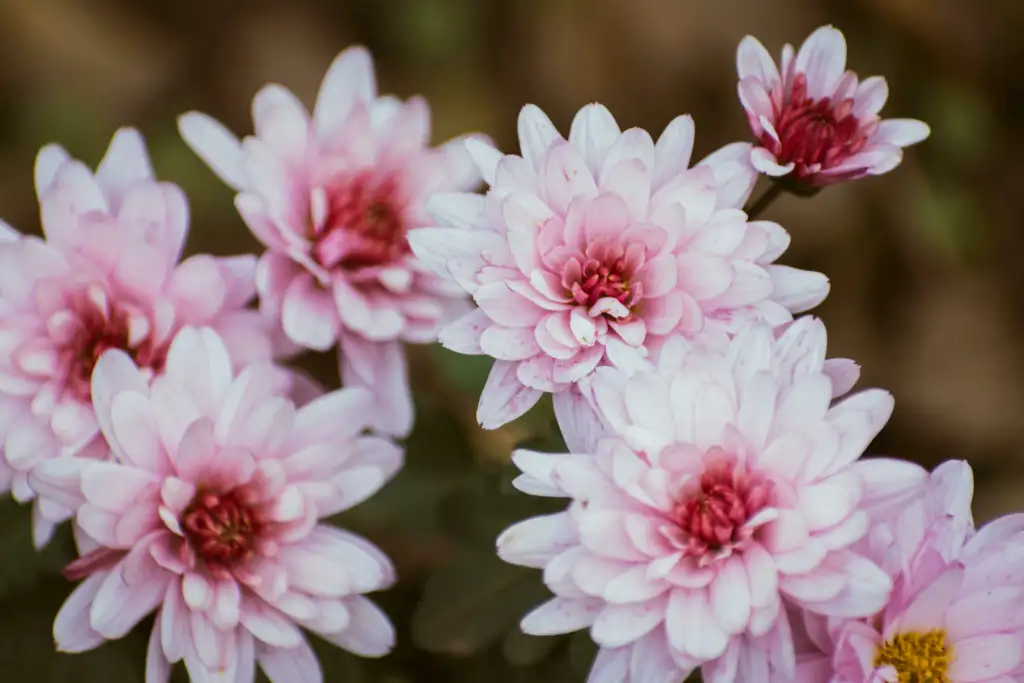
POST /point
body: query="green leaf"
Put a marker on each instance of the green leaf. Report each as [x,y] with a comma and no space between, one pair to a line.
[20,564]
[526,650]
[27,651]
[473,600]
[486,504]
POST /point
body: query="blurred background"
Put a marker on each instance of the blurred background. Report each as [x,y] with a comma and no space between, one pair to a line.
[927,283]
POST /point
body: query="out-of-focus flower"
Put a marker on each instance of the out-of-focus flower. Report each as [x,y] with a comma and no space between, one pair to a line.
[332,198]
[815,122]
[733,485]
[209,513]
[105,276]
[954,616]
[594,250]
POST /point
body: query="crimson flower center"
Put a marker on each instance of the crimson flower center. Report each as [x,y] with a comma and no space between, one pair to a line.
[100,327]
[714,516]
[814,133]
[594,279]
[222,529]
[364,226]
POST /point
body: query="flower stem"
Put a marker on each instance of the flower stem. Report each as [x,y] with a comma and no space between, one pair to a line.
[764,201]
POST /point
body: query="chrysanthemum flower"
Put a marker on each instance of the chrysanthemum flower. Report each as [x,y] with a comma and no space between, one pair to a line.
[209,514]
[815,122]
[332,199]
[594,250]
[734,485]
[105,276]
[954,616]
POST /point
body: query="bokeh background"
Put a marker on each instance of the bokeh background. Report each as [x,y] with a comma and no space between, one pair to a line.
[927,282]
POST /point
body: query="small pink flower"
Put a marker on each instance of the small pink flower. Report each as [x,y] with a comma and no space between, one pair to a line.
[734,487]
[954,616]
[106,276]
[332,198]
[815,123]
[209,514]
[594,250]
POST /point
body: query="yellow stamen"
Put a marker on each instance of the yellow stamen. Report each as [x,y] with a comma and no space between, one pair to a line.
[917,657]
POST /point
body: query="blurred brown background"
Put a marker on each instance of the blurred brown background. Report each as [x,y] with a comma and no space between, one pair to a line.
[927,281]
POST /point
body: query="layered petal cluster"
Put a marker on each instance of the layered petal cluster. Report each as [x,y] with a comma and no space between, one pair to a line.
[734,487]
[815,122]
[954,616]
[593,250]
[332,197]
[210,514]
[105,275]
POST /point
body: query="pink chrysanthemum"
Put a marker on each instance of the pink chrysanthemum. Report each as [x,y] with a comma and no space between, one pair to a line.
[106,276]
[594,250]
[209,514]
[332,199]
[815,123]
[954,616]
[734,484]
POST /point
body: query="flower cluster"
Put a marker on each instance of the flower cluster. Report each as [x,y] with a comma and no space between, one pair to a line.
[721,514]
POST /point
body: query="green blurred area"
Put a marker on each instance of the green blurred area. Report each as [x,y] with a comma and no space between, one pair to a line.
[927,289]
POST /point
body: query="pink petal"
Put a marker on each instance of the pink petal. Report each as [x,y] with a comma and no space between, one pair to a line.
[566,177]
[125,162]
[561,615]
[381,368]
[753,60]
[215,145]
[463,335]
[870,97]
[369,634]
[296,663]
[349,81]
[593,132]
[619,625]
[506,307]
[901,132]
[504,398]
[536,135]
[822,58]
[798,290]
[673,150]
[309,314]
[986,657]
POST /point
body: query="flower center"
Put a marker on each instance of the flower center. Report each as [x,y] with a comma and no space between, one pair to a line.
[917,657]
[364,226]
[814,134]
[96,326]
[713,518]
[222,529]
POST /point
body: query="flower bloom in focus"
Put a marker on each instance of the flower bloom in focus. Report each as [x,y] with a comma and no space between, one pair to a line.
[592,251]
[332,199]
[954,616]
[209,514]
[105,276]
[815,122]
[734,485]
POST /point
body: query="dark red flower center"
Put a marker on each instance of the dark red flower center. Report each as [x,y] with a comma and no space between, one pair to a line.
[364,225]
[814,134]
[714,516]
[222,529]
[103,325]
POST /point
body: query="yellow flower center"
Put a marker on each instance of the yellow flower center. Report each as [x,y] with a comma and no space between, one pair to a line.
[917,657]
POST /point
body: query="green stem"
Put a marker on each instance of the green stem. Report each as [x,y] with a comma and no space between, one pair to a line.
[764,201]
